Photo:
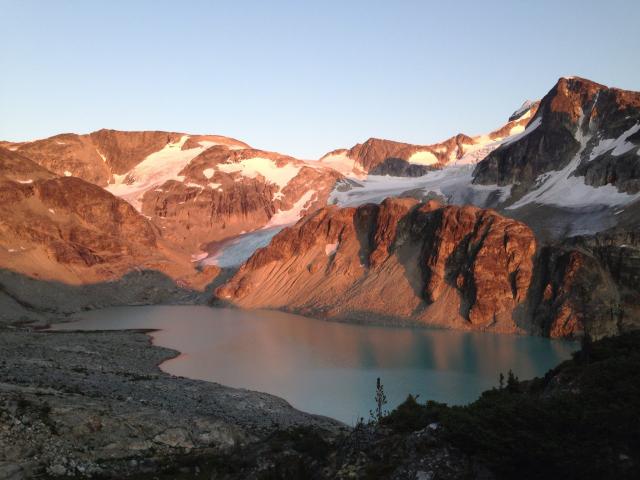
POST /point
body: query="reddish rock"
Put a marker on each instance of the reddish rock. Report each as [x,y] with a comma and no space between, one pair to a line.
[400,261]
[69,230]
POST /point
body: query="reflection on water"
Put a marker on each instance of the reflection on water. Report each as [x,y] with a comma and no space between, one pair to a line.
[330,368]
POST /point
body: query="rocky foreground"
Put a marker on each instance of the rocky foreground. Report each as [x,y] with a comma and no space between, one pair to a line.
[95,404]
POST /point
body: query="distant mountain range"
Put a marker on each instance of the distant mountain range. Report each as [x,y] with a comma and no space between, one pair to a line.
[117,217]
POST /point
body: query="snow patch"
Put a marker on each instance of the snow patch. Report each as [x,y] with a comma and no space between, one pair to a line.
[423,157]
[563,188]
[330,249]
[51,210]
[267,168]
[67,173]
[153,171]
[236,251]
[524,108]
[196,257]
[292,215]
[25,181]
[453,183]
[208,172]
[619,145]
[530,128]
[342,163]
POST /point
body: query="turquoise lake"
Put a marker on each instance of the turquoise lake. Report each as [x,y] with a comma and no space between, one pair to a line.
[325,367]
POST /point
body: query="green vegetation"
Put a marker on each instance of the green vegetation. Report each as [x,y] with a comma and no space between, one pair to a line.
[582,420]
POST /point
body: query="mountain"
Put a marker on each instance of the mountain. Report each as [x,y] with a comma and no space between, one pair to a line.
[62,236]
[580,149]
[101,156]
[224,192]
[199,188]
[530,228]
[401,261]
[572,169]
[386,157]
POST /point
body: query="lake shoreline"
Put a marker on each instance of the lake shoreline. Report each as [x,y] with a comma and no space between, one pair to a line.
[96,403]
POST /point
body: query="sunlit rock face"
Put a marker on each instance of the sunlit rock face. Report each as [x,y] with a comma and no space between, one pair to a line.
[400,261]
[197,188]
[407,262]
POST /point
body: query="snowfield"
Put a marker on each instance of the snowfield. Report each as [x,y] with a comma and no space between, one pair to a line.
[252,167]
[452,184]
[236,251]
[288,217]
[564,189]
[155,170]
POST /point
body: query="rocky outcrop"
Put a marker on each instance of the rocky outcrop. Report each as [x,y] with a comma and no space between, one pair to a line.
[588,284]
[578,120]
[401,261]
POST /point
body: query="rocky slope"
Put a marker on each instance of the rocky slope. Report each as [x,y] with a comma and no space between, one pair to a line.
[99,156]
[65,231]
[457,267]
[96,405]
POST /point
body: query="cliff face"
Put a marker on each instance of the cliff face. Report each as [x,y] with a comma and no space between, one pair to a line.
[455,267]
[578,121]
[400,261]
[588,284]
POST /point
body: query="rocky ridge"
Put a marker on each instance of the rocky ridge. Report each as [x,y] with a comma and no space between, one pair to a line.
[386,157]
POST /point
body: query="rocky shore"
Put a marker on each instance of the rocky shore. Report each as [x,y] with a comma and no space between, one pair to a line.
[95,404]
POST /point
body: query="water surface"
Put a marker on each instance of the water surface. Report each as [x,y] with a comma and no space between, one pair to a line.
[329,368]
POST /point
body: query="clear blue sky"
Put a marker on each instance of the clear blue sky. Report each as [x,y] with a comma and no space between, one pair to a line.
[300,77]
